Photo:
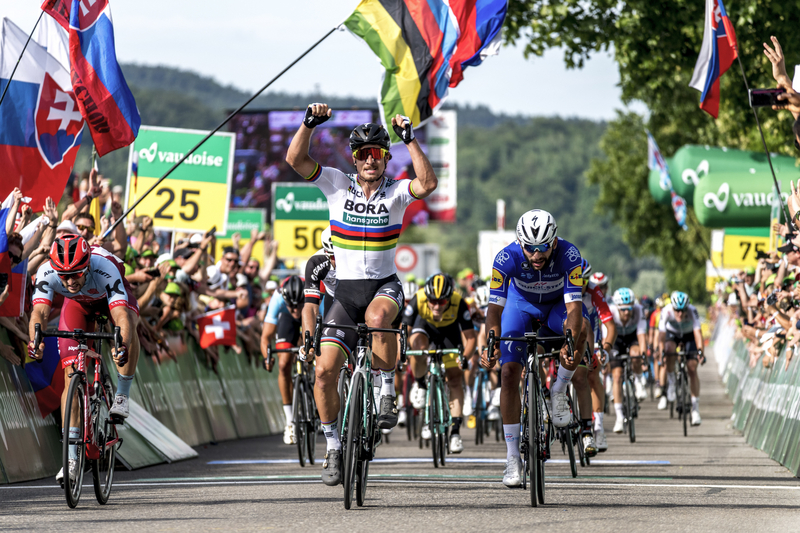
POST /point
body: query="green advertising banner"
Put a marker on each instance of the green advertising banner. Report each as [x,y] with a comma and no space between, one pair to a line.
[243,221]
[196,195]
[735,200]
[219,415]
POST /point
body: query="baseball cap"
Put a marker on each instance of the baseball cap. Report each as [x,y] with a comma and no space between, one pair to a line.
[68,225]
[173,288]
[271,285]
[148,253]
[749,271]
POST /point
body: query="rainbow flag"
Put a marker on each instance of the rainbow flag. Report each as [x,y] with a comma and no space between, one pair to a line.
[425,45]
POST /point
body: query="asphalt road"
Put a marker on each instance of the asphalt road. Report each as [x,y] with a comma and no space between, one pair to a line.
[709,481]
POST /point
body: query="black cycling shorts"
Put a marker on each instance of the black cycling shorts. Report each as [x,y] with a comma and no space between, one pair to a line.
[445,338]
[623,344]
[350,307]
[688,343]
[287,329]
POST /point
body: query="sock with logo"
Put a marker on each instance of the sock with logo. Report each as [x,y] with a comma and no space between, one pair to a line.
[456,428]
[563,379]
[387,385]
[331,431]
[74,433]
[124,385]
[512,440]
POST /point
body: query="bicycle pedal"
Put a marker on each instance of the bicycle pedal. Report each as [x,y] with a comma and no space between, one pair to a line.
[116,420]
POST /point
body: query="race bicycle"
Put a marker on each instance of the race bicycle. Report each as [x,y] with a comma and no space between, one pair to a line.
[480,406]
[89,404]
[536,428]
[683,402]
[437,405]
[630,404]
[360,433]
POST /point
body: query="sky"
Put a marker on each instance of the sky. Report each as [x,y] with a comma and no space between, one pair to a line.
[245,43]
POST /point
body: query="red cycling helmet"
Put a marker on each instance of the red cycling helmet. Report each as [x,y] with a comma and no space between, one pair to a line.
[598,279]
[69,253]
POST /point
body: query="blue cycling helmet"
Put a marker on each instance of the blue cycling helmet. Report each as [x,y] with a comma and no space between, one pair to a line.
[586,269]
[679,300]
[623,296]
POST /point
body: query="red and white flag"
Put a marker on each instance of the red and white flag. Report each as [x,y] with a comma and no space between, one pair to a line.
[218,327]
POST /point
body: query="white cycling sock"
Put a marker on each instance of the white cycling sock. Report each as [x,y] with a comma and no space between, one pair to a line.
[331,431]
[619,410]
[598,421]
[512,440]
[671,380]
[287,412]
[695,402]
[563,379]
[387,385]
[74,433]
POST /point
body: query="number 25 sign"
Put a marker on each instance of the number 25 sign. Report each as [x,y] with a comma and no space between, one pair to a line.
[195,196]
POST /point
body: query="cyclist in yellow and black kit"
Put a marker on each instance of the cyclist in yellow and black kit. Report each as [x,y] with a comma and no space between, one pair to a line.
[440,319]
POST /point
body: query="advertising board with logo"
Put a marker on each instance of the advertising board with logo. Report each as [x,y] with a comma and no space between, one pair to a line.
[196,195]
[299,216]
[243,221]
[735,200]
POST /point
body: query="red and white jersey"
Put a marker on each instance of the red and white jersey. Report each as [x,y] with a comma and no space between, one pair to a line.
[593,299]
[104,280]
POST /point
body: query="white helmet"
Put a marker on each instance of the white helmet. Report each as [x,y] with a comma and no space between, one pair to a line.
[482,296]
[536,227]
[327,243]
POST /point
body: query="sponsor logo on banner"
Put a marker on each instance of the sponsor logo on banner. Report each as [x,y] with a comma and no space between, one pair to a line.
[497,279]
[576,277]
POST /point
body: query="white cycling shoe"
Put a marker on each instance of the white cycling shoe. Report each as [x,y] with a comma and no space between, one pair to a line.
[402,418]
[417,395]
[426,432]
[288,434]
[560,413]
[456,446]
[120,408]
[493,413]
[619,425]
[600,440]
[696,420]
[639,391]
[73,472]
[589,445]
[512,477]
[662,403]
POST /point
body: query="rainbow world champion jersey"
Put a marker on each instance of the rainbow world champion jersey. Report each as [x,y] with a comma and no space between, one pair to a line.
[364,231]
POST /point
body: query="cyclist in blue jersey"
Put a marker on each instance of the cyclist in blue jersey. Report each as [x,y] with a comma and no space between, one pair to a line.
[366,213]
[536,278]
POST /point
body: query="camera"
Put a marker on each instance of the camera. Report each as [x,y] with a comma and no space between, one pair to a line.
[762,255]
[766,97]
[771,299]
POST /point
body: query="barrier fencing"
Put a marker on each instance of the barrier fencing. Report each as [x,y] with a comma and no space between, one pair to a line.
[766,401]
[175,404]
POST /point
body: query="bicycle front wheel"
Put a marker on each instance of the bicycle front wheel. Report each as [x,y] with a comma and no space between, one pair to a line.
[533,434]
[433,419]
[478,412]
[354,438]
[299,418]
[629,411]
[104,431]
[683,398]
[343,388]
[75,401]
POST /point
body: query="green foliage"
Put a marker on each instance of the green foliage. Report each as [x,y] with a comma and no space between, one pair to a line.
[538,164]
[656,45]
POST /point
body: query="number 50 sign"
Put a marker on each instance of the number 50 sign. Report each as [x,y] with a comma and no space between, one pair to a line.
[195,196]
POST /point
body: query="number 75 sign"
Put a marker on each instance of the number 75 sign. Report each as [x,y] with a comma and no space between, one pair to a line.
[195,196]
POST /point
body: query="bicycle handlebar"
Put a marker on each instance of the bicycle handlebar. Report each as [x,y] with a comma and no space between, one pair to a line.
[77,334]
[449,351]
[531,338]
[362,330]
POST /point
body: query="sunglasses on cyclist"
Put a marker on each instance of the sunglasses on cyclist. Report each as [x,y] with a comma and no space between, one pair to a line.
[440,301]
[73,275]
[376,153]
[531,248]
[84,228]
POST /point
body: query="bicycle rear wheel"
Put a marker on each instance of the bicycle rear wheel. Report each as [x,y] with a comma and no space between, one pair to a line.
[299,418]
[479,409]
[354,438]
[343,387]
[104,431]
[433,418]
[629,410]
[534,433]
[682,395]
[72,489]
[362,465]
[312,425]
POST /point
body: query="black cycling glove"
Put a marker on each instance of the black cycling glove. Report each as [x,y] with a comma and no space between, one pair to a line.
[312,121]
[406,134]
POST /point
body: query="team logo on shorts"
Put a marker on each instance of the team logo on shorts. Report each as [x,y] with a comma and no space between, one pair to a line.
[497,279]
[576,277]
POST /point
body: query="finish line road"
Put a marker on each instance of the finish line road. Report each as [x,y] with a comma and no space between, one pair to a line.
[709,481]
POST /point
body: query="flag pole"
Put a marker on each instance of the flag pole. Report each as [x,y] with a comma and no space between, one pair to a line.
[215,130]
[763,141]
[19,59]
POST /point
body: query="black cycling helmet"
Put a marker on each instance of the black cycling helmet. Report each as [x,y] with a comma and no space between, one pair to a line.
[293,291]
[439,286]
[369,133]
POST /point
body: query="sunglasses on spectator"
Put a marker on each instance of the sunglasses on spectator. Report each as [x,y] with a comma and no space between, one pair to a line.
[73,275]
[84,228]
[230,259]
[376,153]
[440,301]
[14,258]
[531,248]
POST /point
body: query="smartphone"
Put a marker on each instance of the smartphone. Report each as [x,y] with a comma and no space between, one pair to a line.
[766,97]
[212,231]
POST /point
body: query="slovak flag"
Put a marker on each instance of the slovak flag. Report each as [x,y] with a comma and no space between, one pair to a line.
[40,125]
[716,56]
[218,327]
[103,95]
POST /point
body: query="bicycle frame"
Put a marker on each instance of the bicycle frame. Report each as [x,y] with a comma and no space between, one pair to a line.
[436,368]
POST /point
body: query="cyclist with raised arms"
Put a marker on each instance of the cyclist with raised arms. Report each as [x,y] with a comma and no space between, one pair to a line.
[366,214]
[283,323]
[92,282]
[631,331]
[680,322]
[440,319]
[536,278]
[604,333]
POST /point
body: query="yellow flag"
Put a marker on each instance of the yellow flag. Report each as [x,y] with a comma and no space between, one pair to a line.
[94,210]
